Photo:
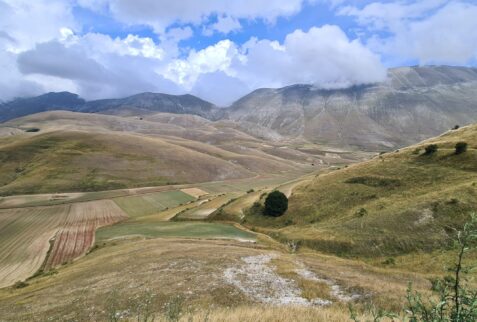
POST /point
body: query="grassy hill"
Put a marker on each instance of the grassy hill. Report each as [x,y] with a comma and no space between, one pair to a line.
[397,203]
[67,151]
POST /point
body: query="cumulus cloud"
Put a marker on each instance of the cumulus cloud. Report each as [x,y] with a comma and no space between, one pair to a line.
[224,24]
[430,31]
[321,56]
[161,14]
[102,66]
[98,65]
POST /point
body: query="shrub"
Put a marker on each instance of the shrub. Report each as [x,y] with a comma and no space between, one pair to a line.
[361,212]
[32,130]
[456,127]
[460,147]
[431,149]
[376,182]
[250,191]
[389,261]
[20,284]
[276,204]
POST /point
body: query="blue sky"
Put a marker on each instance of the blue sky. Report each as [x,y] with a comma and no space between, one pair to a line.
[221,49]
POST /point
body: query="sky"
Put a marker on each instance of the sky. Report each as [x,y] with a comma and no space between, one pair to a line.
[221,50]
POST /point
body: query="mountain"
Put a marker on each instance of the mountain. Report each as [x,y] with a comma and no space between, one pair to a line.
[394,204]
[149,103]
[413,104]
[140,104]
[46,102]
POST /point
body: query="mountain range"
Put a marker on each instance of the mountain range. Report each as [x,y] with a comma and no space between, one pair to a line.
[414,103]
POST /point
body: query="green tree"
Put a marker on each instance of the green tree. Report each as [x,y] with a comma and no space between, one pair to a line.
[276,204]
[460,147]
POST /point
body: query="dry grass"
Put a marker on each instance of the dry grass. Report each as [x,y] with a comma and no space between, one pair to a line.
[398,203]
[83,152]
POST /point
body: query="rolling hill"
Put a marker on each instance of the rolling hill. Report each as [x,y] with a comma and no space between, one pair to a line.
[396,203]
[67,151]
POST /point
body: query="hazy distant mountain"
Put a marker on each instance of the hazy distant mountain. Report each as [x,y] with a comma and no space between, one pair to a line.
[42,103]
[148,103]
[415,103]
[140,104]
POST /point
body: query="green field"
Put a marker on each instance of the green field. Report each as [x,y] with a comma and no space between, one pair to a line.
[172,229]
[147,204]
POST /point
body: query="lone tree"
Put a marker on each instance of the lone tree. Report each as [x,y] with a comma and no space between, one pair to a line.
[431,149]
[276,204]
[460,147]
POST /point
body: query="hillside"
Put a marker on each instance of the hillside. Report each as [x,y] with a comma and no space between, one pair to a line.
[67,151]
[397,203]
[415,103]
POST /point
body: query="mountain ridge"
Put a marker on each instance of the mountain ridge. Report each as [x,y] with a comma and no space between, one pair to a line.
[413,104]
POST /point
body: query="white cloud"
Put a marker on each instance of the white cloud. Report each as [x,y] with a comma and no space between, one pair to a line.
[224,24]
[161,14]
[100,66]
[322,56]
[430,31]
[214,58]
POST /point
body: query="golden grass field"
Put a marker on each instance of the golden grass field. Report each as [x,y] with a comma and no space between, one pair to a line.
[80,152]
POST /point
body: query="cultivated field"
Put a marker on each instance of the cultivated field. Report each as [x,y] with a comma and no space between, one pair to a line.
[76,236]
[26,235]
[207,207]
[147,204]
[24,240]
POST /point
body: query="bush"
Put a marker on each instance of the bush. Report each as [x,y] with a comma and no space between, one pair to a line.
[20,284]
[460,147]
[361,212]
[456,127]
[431,149]
[276,204]
[32,130]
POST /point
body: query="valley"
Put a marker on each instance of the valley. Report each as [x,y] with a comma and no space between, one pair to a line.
[153,205]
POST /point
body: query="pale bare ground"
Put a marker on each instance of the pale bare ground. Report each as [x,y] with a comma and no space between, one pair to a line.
[204,274]
[195,192]
[24,240]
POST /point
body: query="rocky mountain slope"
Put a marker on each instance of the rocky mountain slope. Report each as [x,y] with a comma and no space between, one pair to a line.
[415,103]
